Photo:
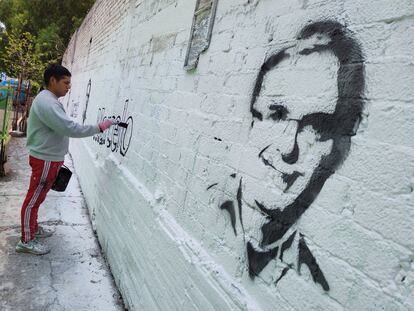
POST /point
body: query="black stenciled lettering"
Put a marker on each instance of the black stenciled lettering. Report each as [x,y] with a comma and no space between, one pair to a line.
[116,138]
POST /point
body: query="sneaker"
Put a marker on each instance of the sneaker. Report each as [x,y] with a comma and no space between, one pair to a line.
[32,247]
[43,233]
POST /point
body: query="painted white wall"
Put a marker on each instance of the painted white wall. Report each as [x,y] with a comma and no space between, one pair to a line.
[169,244]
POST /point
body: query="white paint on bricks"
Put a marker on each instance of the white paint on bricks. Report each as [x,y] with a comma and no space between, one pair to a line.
[197,256]
[164,233]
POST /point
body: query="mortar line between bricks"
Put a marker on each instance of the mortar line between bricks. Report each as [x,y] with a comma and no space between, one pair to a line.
[392,59]
[406,102]
[284,299]
[361,184]
[373,282]
[334,300]
[405,149]
[384,21]
[274,291]
[389,100]
[348,179]
[388,240]
[405,248]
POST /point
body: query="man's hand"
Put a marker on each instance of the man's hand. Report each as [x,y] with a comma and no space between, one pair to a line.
[105,124]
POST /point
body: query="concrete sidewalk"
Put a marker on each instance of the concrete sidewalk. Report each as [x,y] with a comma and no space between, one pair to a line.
[74,275]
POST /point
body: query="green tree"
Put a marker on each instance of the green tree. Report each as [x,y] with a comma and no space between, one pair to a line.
[37,33]
[20,57]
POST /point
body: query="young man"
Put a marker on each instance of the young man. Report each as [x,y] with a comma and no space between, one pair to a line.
[48,135]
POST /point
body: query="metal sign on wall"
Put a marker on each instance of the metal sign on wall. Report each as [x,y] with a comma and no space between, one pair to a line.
[203,20]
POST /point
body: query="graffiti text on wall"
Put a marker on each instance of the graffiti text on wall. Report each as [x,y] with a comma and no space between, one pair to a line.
[117,138]
[88,93]
[74,112]
[298,145]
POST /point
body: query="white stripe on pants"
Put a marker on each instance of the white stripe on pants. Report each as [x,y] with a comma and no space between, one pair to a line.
[39,189]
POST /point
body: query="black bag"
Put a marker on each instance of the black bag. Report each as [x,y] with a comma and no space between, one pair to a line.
[62,179]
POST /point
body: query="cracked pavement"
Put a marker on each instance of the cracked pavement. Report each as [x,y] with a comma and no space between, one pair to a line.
[74,275]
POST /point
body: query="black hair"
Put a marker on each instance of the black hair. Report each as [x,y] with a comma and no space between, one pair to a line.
[350,73]
[56,71]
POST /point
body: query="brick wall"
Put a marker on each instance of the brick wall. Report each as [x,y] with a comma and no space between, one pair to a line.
[277,174]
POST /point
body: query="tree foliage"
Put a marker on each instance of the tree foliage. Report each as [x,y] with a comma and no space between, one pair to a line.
[37,33]
[20,56]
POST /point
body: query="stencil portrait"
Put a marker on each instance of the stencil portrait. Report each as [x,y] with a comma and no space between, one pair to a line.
[306,104]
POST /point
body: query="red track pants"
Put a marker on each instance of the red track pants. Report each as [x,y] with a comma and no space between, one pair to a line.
[43,176]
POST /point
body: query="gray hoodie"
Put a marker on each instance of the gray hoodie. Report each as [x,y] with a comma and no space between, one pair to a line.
[49,128]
